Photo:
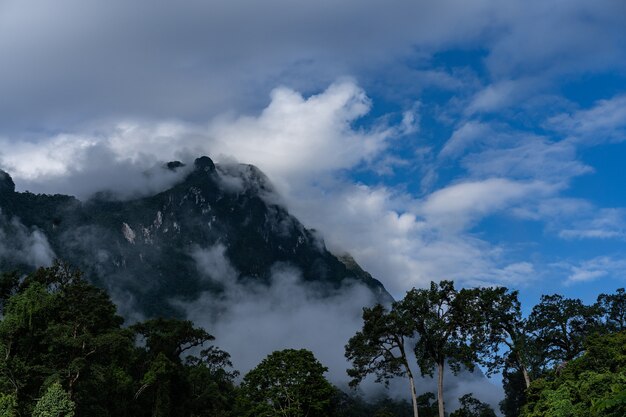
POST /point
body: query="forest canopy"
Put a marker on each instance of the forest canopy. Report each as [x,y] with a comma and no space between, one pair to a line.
[64,351]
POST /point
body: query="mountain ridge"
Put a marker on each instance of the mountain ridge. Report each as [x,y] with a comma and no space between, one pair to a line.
[143,247]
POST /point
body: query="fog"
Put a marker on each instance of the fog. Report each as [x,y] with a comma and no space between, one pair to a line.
[251,320]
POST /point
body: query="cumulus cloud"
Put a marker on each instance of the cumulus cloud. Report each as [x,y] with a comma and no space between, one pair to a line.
[293,140]
[297,139]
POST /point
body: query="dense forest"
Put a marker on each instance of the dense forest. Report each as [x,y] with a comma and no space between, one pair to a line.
[65,352]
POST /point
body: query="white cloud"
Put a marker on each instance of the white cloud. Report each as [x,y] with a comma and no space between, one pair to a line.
[604,122]
[464,137]
[294,139]
[596,268]
[458,205]
[527,157]
[599,224]
[575,219]
[297,139]
[502,94]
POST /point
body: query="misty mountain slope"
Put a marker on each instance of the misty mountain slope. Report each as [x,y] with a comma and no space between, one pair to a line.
[147,249]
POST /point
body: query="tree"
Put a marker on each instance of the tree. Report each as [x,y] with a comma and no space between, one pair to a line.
[165,382]
[613,307]
[211,388]
[55,403]
[500,332]
[380,348]
[514,392]
[287,383]
[472,407]
[559,327]
[440,320]
[58,327]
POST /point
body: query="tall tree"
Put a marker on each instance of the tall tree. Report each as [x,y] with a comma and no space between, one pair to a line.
[288,383]
[164,379]
[440,320]
[559,327]
[212,391]
[500,332]
[379,348]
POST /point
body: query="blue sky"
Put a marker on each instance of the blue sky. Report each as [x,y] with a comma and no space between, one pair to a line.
[481,141]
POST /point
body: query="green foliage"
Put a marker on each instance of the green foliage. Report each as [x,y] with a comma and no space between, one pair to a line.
[439,318]
[64,351]
[288,383]
[8,405]
[54,403]
[592,385]
[57,328]
[379,348]
[171,337]
[560,326]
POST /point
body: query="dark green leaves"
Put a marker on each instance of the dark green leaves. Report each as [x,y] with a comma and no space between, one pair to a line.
[288,383]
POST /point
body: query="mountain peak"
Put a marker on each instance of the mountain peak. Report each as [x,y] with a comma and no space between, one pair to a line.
[204,163]
[6,183]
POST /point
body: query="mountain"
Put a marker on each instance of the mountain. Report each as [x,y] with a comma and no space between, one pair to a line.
[146,248]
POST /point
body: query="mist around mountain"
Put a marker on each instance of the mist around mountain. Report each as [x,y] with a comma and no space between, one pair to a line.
[163,249]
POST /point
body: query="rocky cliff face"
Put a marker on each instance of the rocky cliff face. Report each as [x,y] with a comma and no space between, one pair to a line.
[146,248]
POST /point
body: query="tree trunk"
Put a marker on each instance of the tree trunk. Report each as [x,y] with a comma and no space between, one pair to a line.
[440,389]
[413,393]
[526,377]
[523,369]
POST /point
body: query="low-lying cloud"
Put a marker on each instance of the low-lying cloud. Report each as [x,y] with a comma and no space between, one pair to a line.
[252,320]
[21,245]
